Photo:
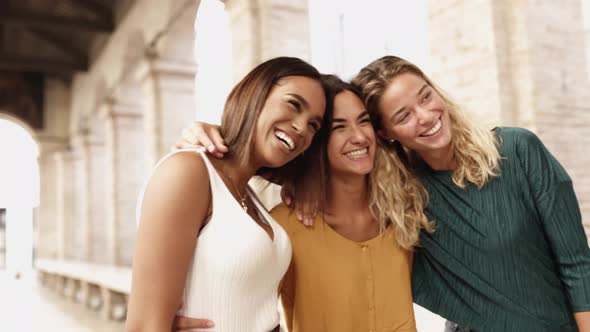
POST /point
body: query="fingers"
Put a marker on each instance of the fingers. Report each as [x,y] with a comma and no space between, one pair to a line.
[208,136]
[286,198]
[299,215]
[306,214]
[218,141]
[177,146]
[309,212]
[185,323]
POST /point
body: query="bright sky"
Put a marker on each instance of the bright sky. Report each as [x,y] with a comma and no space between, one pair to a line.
[19,170]
[348,34]
[213,56]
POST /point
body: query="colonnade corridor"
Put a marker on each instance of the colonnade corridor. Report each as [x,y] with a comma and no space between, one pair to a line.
[26,305]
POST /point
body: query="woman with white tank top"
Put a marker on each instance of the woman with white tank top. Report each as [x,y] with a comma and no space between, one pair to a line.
[204,241]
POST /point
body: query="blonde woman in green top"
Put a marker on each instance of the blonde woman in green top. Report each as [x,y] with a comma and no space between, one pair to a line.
[509,251]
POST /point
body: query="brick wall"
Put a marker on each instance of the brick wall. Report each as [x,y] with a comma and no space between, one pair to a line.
[517,64]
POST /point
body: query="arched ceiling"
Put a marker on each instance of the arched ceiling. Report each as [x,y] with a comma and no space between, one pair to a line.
[47,38]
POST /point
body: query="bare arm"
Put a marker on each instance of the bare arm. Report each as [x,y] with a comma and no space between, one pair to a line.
[174,208]
[186,323]
[583,321]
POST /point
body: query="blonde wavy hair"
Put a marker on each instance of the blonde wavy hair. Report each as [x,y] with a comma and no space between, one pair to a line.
[474,148]
[398,196]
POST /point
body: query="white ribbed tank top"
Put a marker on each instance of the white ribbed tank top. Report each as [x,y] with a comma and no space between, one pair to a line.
[236,268]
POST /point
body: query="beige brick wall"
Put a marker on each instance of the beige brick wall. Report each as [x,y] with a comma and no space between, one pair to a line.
[265,29]
[464,57]
[516,64]
[562,89]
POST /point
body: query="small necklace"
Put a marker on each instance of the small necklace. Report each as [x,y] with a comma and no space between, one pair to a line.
[242,198]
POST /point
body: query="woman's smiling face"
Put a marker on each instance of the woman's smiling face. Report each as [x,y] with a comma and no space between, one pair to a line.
[351,145]
[291,116]
[414,114]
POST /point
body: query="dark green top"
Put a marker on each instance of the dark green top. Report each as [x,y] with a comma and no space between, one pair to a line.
[512,256]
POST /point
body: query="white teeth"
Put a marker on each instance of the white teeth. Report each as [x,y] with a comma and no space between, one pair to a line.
[285,139]
[356,153]
[433,130]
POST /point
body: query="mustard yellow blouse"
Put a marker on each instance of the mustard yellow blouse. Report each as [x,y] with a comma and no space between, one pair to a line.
[339,285]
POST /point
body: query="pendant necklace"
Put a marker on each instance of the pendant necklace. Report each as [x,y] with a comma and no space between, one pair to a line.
[242,198]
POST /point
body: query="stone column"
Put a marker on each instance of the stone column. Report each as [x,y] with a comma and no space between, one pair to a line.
[167,78]
[125,173]
[263,29]
[80,230]
[169,106]
[97,186]
[64,202]
[45,234]
[89,167]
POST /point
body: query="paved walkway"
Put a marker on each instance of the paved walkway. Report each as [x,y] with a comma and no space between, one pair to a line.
[27,306]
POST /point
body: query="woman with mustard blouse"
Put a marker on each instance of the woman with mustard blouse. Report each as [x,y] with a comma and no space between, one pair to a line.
[350,271]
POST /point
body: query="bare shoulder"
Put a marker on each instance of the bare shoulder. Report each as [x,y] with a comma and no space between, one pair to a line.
[178,191]
[182,170]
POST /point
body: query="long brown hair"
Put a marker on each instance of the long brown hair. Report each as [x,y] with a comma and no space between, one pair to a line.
[247,98]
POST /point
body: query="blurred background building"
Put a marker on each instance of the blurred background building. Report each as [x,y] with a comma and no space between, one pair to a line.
[94,92]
